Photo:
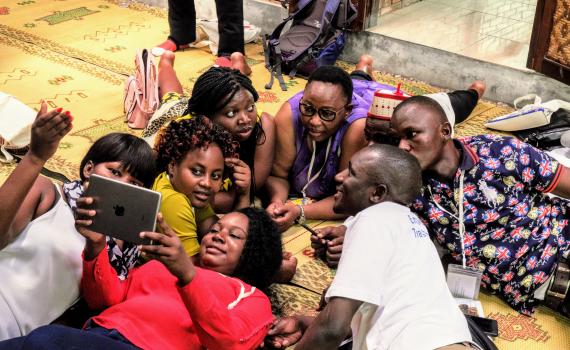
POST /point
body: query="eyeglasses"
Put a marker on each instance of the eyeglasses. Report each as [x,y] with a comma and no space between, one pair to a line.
[324,113]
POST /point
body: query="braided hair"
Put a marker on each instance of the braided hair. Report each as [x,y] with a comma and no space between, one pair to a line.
[213,90]
[262,253]
[185,135]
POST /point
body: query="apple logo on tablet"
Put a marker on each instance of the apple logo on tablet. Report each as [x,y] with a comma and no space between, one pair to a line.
[119,210]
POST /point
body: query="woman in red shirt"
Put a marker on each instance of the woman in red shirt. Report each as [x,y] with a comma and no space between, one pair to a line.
[171,302]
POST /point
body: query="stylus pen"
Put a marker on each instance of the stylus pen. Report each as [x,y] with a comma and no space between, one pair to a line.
[306,227]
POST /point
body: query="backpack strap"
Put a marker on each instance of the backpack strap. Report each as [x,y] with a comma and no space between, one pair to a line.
[267,53]
[346,14]
[275,69]
[278,73]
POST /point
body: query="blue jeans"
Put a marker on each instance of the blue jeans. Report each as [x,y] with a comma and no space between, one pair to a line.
[61,337]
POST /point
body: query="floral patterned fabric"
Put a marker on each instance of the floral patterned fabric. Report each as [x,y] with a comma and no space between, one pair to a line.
[514,232]
[122,259]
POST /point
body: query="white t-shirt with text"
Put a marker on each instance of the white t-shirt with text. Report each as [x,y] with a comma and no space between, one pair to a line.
[390,264]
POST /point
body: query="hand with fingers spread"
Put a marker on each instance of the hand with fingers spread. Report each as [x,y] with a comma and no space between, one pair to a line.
[94,241]
[241,174]
[284,332]
[168,249]
[328,244]
[47,131]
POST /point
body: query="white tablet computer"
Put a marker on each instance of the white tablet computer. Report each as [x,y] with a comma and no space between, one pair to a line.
[123,210]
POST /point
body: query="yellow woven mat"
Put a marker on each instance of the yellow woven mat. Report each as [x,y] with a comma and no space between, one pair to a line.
[31,73]
[77,53]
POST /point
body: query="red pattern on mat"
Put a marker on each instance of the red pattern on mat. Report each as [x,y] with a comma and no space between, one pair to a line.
[513,327]
[267,97]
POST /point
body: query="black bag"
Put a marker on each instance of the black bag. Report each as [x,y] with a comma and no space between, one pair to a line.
[547,137]
[315,38]
[479,337]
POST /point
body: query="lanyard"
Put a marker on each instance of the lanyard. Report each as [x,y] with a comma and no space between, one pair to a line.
[309,178]
[458,217]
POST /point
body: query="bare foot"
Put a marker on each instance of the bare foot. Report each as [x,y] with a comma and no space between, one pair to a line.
[479,86]
[166,59]
[239,62]
[365,64]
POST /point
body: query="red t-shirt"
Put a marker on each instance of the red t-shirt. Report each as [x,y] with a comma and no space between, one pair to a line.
[150,310]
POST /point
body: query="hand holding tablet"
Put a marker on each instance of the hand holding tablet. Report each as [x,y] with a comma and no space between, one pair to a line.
[123,210]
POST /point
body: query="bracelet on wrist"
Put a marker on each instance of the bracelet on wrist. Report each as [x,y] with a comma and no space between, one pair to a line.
[301,219]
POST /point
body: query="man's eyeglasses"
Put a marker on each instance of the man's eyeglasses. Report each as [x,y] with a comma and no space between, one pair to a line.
[324,113]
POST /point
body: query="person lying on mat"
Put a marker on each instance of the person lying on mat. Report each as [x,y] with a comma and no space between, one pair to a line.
[514,233]
[227,98]
[458,105]
[40,249]
[192,155]
[390,286]
[171,302]
[319,130]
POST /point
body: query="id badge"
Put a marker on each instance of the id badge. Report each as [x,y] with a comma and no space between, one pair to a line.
[463,282]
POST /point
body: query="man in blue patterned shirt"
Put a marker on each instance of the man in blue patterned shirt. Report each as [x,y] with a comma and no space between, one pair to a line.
[514,232]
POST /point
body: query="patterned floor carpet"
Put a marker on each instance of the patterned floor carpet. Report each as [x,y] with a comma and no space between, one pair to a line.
[76,54]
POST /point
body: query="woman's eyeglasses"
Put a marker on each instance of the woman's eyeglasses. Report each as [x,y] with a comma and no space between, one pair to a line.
[324,113]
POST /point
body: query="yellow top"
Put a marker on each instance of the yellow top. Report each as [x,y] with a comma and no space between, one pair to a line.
[179,214]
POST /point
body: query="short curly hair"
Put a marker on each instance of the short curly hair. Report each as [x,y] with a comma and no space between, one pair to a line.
[333,75]
[262,253]
[185,135]
[212,92]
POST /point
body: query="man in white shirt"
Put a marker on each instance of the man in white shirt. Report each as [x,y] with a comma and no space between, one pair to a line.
[390,286]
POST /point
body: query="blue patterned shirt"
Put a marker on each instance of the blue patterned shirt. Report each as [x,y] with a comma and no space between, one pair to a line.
[513,230]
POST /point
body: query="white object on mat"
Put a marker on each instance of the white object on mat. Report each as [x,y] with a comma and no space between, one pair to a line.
[527,116]
[210,27]
[16,120]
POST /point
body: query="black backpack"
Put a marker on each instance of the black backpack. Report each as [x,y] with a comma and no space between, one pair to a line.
[315,38]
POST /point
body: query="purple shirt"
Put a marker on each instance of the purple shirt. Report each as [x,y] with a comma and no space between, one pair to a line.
[324,185]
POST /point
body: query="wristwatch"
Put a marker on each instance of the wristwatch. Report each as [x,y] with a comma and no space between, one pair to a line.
[301,219]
